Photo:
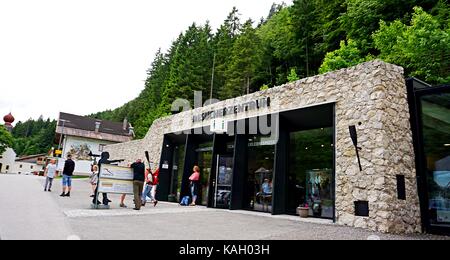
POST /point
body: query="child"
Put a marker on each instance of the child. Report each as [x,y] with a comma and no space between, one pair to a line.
[50,173]
[94,179]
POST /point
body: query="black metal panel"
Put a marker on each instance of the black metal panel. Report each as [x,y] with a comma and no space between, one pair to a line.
[362,208]
[219,148]
[240,172]
[334,163]
[401,187]
[165,174]
[280,179]
[190,161]
[417,89]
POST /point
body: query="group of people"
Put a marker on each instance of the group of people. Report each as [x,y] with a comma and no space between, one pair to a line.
[145,182]
[51,172]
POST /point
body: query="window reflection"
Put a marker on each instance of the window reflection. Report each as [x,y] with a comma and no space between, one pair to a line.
[205,153]
[436,132]
[310,180]
[259,186]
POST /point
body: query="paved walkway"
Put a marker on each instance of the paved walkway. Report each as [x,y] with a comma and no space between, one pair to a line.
[27,212]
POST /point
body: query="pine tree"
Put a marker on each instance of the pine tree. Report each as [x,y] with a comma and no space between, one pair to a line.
[223,42]
[244,61]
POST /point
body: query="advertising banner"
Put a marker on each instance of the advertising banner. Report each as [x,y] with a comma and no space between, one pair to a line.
[116,179]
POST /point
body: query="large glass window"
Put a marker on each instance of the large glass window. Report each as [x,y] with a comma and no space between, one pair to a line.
[259,189]
[310,179]
[436,134]
[224,181]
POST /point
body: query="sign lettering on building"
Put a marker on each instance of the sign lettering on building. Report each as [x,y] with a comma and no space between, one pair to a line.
[233,110]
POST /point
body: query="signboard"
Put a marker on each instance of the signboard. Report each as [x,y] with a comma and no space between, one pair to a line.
[219,126]
[233,110]
[165,165]
[57,153]
[115,179]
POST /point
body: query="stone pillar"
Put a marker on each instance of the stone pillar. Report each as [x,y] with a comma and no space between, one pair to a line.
[377,104]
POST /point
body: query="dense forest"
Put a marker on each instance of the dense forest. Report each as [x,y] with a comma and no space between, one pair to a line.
[292,42]
[33,136]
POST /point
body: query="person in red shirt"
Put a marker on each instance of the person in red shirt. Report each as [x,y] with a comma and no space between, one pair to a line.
[155,186]
[151,185]
[194,182]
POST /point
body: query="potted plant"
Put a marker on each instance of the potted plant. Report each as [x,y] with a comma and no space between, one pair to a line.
[303,210]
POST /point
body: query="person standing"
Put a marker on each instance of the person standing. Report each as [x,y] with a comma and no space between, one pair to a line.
[151,184]
[138,182]
[50,173]
[69,168]
[93,179]
[122,201]
[194,179]
[104,159]
[155,186]
[148,187]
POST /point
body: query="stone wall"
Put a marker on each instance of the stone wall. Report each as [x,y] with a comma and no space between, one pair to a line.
[371,96]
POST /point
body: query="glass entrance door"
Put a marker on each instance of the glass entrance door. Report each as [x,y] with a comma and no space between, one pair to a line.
[205,159]
[261,163]
[310,180]
[436,145]
[224,180]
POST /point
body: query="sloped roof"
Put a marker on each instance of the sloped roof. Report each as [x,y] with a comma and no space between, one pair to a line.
[88,124]
[30,158]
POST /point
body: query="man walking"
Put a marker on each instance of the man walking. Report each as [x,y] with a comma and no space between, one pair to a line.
[138,182]
[50,173]
[69,168]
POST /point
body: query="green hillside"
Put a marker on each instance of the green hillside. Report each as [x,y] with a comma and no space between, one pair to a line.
[305,39]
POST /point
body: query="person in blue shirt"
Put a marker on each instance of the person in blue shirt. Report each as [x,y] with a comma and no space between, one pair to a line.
[267,187]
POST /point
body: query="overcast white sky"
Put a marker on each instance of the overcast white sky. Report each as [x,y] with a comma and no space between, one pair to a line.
[85,56]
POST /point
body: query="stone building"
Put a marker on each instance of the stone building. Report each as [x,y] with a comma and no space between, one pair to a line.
[340,143]
[31,164]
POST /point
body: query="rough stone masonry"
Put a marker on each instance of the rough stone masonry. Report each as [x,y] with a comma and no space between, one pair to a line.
[371,96]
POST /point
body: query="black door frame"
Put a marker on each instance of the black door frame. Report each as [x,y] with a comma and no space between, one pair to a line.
[416,90]
[282,164]
[240,163]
